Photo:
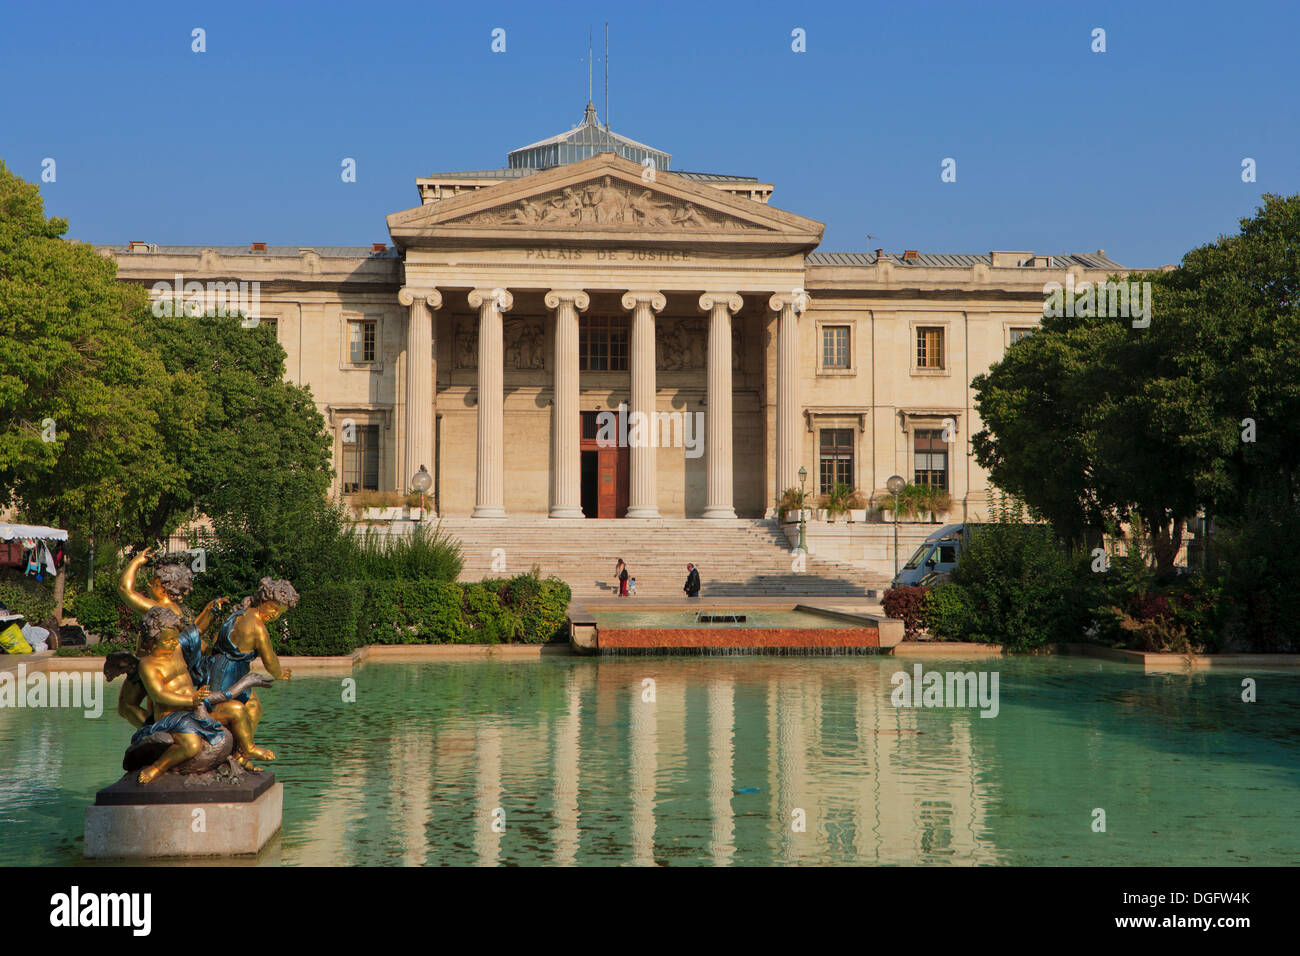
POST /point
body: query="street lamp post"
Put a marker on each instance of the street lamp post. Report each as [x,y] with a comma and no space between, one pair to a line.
[420,482]
[803,540]
[895,484]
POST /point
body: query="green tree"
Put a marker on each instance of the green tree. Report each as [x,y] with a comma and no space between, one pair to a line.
[260,444]
[1092,421]
[73,369]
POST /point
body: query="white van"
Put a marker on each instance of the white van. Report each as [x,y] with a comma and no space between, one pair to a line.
[937,556]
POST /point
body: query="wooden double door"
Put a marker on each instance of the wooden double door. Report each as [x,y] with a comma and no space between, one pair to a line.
[605,473]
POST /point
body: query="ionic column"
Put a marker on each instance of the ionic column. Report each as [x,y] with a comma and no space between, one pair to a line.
[642,497]
[718,501]
[489,498]
[566,480]
[420,368]
[787,388]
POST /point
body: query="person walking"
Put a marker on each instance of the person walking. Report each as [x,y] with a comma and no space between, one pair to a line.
[620,572]
[692,586]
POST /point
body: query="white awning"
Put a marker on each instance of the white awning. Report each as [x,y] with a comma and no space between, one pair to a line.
[12,532]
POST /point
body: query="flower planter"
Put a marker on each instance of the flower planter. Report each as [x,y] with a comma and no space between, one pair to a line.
[858,514]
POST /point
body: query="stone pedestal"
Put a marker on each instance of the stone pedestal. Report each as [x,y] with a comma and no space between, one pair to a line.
[183,815]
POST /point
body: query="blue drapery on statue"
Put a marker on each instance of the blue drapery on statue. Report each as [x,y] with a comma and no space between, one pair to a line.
[181,722]
[228,663]
[192,650]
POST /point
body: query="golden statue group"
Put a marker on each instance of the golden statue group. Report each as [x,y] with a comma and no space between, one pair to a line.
[193,697]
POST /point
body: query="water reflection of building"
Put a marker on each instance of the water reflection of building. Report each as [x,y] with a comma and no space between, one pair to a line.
[606,776]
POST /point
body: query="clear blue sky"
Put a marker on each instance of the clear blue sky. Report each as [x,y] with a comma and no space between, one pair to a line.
[1136,150]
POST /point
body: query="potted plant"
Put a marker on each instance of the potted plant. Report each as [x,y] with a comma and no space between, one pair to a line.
[908,502]
[932,500]
[789,504]
[840,500]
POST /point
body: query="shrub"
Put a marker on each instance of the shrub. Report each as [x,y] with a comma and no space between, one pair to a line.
[1023,586]
[337,618]
[324,622]
[98,612]
[28,597]
[906,604]
[948,612]
[412,612]
[490,621]
[541,604]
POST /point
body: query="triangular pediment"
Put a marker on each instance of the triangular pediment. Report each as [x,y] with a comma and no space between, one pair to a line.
[606,198]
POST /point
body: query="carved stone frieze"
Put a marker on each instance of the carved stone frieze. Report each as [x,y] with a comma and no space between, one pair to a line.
[607,203]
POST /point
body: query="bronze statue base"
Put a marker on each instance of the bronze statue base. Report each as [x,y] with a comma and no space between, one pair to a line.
[211,787]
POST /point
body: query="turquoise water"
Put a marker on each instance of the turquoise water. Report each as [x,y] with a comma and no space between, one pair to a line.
[712,771]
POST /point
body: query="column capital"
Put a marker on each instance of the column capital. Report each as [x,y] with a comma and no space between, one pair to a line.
[796,299]
[731,300]
[408,295]
[635,297]
[577,297]
[503,299]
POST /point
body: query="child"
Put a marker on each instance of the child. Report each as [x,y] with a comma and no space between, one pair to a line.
[631,585]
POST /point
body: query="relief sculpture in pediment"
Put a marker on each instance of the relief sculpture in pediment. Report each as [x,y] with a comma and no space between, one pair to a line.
[605,202]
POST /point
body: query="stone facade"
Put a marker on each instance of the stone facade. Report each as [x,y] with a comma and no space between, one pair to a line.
[457,347]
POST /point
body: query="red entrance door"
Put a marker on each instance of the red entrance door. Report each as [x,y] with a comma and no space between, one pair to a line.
[613,469]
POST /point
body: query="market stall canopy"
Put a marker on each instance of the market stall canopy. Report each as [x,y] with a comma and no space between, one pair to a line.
[12,532]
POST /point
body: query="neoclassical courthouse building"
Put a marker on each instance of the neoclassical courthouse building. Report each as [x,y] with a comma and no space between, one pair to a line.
[514,305]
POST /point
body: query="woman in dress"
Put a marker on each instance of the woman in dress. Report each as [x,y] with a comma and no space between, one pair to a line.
[620,572]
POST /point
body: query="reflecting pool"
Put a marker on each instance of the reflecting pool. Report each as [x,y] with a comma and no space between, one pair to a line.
[701,761]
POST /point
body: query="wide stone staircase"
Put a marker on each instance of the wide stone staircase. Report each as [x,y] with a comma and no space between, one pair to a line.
[742,557]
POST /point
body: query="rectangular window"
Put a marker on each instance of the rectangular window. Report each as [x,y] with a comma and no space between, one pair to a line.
[270,323]
[361,460]
[929,348]
[930,459]
[1015,335]
[602,344]
[361,341]
[835,346]
[835,459]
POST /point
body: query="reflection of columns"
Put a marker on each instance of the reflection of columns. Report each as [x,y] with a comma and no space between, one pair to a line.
[419,377]
[644,746]
[567,754]
[642,498]
[489,499]
[790,745]
[411,759]
[487,842]
[718,499]
[566,483]
[722,720]
[787,388]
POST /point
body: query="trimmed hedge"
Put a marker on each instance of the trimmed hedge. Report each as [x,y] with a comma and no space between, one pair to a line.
[338,618]
[411,612]
[324,623]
